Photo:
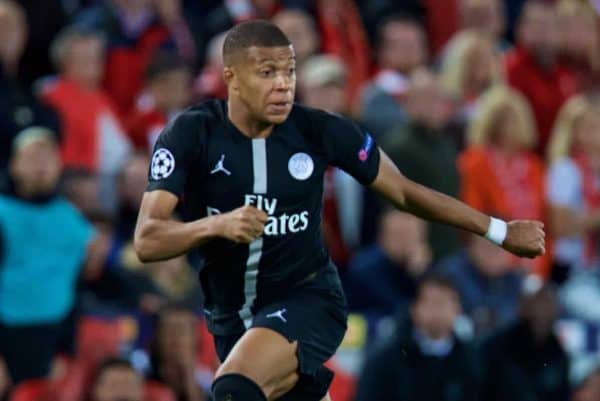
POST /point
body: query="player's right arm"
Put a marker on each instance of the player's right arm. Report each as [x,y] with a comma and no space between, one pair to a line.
[158,236]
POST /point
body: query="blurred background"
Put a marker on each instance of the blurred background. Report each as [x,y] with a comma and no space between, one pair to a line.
[492,101]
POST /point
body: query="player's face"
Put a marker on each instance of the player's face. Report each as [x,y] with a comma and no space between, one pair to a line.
[266,82]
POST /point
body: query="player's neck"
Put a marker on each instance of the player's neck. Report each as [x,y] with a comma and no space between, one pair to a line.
[247,125]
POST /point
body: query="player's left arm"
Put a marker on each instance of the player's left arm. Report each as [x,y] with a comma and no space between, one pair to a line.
[521,237]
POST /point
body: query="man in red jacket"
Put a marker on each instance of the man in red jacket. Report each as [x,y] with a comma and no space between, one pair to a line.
[532,68]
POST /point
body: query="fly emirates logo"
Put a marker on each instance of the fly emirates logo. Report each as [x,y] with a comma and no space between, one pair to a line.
[276,225]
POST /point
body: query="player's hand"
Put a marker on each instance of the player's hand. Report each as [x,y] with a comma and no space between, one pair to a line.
[242,225]
[525,238]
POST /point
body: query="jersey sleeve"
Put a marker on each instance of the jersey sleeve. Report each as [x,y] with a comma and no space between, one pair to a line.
[350,148]
[172,156]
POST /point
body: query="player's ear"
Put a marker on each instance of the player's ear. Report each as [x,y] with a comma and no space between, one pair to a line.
[229,77]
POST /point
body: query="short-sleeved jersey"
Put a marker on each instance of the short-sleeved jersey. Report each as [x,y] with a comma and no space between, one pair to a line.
[206,161]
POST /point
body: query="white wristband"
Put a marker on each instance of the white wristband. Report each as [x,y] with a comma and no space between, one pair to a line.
[496,231]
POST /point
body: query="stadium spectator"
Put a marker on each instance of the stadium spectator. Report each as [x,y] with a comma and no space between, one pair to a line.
[400,50]
[499,171]
[532,67]
[382,278]
[46,243]
[424,360]
[168,90]
[4,381]
[18,107]
[81,188]
[573,196]
[423,150]
[210,84]
[488,284]
[93,136]
[116,380]
[322,84]
[470,66]
[300,27]
[485,17]
[343,35]
[174,356]
[525,361]
[229,13]
[134,30]
[580,42]
[45,19]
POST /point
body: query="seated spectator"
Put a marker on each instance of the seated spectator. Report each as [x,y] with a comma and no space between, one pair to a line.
[301,29]
[116,380]
[343,35]
[573,196]
[19,109]
[174,356]
[229,13]
[532,67]
[471,66]
[400,49]
[322,84]
[423,360]
[382,279]
[485,17]
[424,152]
[525,361]
[46,245]
[487,282]
[580,42]
[210,84]
[93,137]
[500,174]
[4,381]
[168,90]
[133,31]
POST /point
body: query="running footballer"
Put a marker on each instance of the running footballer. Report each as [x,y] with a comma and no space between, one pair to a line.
[249,174]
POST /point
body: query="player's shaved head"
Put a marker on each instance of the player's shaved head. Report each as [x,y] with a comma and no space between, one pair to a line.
[258,33]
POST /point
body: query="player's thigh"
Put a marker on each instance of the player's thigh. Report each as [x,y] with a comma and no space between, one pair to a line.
[267,358]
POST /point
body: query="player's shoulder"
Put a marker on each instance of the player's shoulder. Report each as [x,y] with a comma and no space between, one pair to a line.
[210,111]
[318,119]
[195,122]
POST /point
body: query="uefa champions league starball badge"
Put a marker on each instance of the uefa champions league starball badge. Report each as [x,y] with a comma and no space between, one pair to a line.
[163,164]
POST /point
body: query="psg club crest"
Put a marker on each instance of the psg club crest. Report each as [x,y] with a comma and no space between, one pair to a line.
[301,166]
[163,164]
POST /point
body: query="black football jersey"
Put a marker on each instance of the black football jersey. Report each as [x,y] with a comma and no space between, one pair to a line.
[205,160]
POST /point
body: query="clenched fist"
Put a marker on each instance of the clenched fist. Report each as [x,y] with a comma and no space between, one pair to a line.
[242,225]
[525,238]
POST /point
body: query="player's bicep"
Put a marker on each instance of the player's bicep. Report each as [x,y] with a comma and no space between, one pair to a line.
[158,204]
[389,182]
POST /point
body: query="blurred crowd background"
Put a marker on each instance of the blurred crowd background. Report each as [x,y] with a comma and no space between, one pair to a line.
[492,101]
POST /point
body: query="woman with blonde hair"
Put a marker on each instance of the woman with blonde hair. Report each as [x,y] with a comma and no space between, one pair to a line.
[499,171]
[573,183]
[470,66]
[580,41]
